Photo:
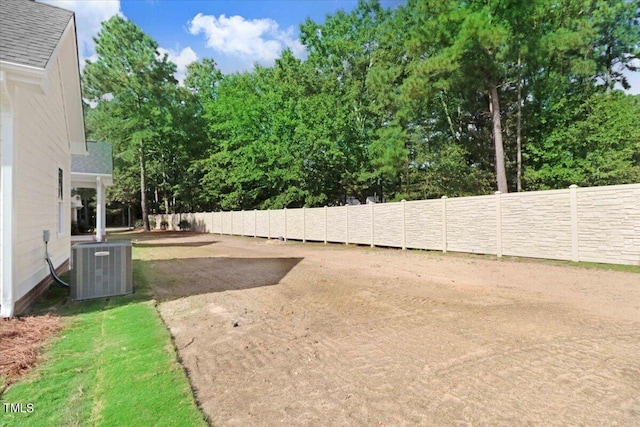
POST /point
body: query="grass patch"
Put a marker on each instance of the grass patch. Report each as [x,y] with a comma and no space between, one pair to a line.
[114,364]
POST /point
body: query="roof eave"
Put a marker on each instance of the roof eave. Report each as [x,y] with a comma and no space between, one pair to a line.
[26,75]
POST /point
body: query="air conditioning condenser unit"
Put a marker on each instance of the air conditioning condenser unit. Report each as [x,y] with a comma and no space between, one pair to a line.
[101,269]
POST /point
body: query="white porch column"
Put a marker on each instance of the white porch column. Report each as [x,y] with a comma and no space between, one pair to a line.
[7,226]
[100,210]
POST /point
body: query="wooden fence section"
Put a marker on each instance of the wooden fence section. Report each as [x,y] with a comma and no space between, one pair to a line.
[597,224]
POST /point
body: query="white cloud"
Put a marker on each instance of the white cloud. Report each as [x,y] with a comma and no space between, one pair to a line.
[89,16]
[633,78]
[259,40]
[183,58]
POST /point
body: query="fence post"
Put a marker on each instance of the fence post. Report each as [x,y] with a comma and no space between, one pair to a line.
[285,224]
[346,210]
[242,221]
[498,224]
[325,225]
[573,195]
[231,229]
[268,223]
[404,225]
[304,226]
[255,223]
[372,221]
[444,223]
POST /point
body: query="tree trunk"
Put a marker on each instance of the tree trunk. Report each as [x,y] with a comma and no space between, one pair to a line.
[143,189]
[164,189]
[494,107]
[519,131]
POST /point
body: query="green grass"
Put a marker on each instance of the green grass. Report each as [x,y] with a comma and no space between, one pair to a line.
[114,364]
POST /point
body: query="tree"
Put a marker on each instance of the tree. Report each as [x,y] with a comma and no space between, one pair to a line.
[598,145]
[130,83]
[342,51]
[463,43]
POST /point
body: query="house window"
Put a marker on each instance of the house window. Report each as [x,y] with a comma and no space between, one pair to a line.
[60,201]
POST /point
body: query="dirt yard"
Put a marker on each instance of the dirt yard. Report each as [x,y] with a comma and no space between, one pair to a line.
[285,333]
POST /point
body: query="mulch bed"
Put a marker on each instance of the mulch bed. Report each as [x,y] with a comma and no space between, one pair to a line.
[21,339]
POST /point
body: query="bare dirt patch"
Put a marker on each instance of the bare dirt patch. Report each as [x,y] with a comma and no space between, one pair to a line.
[311,334]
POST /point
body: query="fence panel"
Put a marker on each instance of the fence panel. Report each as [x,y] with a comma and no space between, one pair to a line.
[315,224]
[423,224]
[226,223]
[360,224]
[537,224]
[248,223]
[598,224]
[277,223]
[388,225]
[236,223]
[262,224]
[609,224]
[471,224]
[295,224]
[337,224]
[199,222]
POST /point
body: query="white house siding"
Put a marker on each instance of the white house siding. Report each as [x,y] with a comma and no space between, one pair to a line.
[42,146]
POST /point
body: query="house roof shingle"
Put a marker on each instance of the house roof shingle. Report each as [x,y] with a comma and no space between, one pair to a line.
[99,161]
[30,31]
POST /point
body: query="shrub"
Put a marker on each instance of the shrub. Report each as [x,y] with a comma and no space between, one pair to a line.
[164,225]
[184,225]
[152,223]
[138,224]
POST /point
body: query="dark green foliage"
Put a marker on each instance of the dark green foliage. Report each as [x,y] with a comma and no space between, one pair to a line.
[428,99]
[598,144]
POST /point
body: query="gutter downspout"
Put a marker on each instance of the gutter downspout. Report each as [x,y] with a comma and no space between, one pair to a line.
[100,217]
[7,228]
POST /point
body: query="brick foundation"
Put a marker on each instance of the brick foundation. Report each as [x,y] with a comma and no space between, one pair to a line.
[24,304]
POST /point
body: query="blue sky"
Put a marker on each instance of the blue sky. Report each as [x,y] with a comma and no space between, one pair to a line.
[236,34]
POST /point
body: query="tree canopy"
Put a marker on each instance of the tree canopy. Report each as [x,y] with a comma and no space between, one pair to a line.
[427,99]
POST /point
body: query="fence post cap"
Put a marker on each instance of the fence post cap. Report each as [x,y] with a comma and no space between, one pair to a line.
[444,197]
[573,186]
[498,192]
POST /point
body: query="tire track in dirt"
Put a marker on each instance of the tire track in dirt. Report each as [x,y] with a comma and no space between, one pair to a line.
[338,342]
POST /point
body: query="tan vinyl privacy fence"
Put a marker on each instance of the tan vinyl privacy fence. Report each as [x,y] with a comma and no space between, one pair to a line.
[597,224]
